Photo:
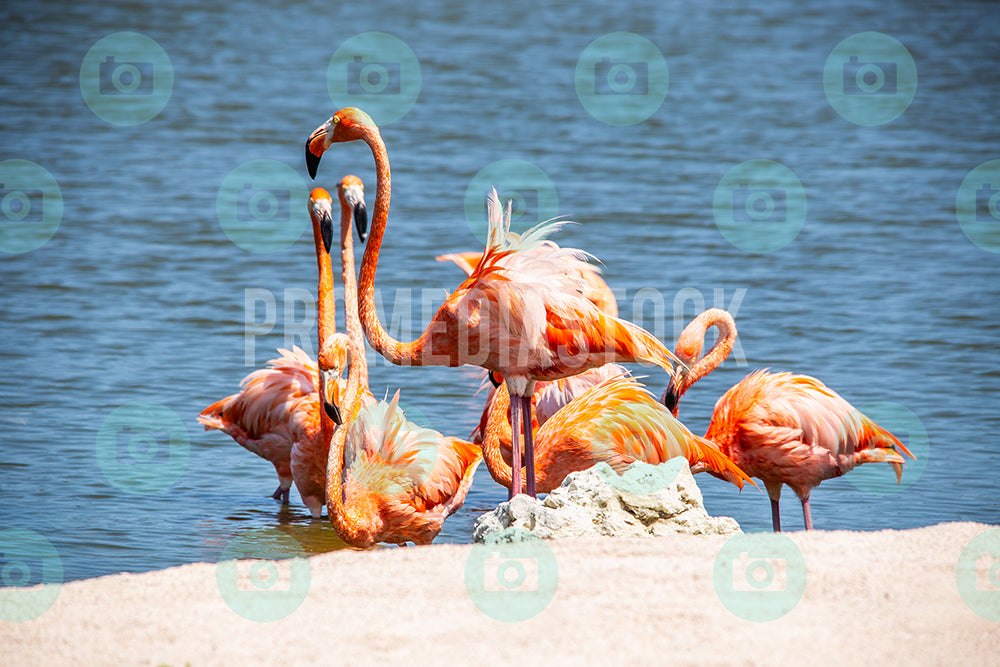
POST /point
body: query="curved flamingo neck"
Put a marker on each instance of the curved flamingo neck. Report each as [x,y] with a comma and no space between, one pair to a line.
[350,280]
[351,520]
[692,340]
[397,352]
[497,428]
[326,313]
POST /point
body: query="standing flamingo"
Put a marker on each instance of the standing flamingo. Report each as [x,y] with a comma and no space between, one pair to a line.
[388,479]
[616,421]
[518,314]
[276,415]
[783,428]
[310,451]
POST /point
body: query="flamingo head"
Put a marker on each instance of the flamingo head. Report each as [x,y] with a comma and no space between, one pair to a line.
[333,359]
[670,396]
[352,194]
[321,212]
[348,124]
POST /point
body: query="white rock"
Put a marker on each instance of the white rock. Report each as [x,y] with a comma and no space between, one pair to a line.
[645,501]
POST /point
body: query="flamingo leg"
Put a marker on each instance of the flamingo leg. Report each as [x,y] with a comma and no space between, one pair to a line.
[806,514]
[281,494]
[515,451]
[775,516]
[529,446]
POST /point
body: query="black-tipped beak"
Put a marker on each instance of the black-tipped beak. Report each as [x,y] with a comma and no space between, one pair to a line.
[333,412]
[326,227]
[669,397]
[312,160]
[361,220]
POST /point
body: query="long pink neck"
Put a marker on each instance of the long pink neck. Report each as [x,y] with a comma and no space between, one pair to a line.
[353,521]
[397,352]
[350,279]
[497,430]
[692,340]
[326,312]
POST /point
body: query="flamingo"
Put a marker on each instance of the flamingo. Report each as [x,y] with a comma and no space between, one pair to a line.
[595,289]
[388,479]
[780,427]
[616,421]
[519,314]
[310,451]
[276,415]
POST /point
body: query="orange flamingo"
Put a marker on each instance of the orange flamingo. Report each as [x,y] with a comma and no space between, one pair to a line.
[276,415]
[783,428]
[518,314]
[310,451]
[616,421]
[388,479]
[595,289]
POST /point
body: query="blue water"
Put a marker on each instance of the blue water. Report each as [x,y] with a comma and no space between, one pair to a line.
[141,296]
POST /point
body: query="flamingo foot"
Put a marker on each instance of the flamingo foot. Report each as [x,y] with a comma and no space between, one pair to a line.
[806,514]
[775,517]
[281,494]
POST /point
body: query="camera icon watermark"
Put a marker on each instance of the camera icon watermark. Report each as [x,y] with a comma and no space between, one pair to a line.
[261,206]
[903,423]
[977,574]
[377,72]
[31,206]
[143,447]
[759,206]
[870,78]
[263,575]
[126,78]
[31,575]
[759,577]
[511,580]
[977,206]
[531,192]
[373,78]
[621,78]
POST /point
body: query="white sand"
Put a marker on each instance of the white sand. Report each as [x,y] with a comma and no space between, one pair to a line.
[871,598]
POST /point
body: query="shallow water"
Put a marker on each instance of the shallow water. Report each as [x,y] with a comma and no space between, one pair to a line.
[141,296]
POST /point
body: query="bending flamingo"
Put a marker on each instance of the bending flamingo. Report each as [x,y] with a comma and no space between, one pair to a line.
[310,451]
[388,479]
[783,428]
[617,422]
[518,314]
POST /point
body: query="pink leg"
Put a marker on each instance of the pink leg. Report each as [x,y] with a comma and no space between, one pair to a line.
[806,514]
[529,446]
[775,518]
[515,452]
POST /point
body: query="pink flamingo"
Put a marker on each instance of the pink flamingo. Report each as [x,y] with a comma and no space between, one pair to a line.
[518,314]
[783,428]
[616,421]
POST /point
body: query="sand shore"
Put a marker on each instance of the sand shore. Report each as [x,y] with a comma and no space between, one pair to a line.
[870,598]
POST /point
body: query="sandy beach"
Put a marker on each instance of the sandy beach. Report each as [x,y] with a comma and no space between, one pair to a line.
[885,597]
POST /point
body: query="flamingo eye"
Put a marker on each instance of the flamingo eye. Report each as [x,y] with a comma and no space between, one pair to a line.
[335,120]
[495,379]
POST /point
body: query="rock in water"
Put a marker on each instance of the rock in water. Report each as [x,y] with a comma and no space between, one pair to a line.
[646,500]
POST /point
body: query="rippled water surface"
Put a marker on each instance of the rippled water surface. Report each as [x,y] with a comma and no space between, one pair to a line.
[141,296]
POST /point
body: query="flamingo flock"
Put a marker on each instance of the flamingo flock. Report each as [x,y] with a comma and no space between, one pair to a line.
[543,325]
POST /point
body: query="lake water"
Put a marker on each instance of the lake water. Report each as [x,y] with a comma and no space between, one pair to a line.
[140,296]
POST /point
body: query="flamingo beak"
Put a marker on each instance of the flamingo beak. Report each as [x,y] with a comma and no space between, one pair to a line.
[329,407]
[314,149]
[326,227]
[670,397]
[361,220]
